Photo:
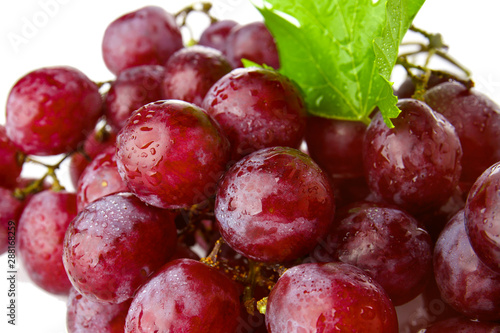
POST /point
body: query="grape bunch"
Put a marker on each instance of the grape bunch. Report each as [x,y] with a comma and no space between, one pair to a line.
[208,198]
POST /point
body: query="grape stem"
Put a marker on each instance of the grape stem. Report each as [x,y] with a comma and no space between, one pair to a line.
[203,7]
[37,185]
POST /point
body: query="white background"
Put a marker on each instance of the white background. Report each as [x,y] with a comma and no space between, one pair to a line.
[70,33]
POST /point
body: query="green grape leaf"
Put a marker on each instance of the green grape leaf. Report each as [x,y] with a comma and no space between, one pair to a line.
[341,52]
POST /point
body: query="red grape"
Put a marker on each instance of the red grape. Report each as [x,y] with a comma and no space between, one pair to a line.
[462,325]
[171,154]
[465,283]
[482,215]
[133,88]
[185,296]
[10,210]
[329,297]
[115,244]
[215,35]
[388,244]
[10,168]
[190,72]
[336,145]
[257,108]
[274,205]
[86,316]
[254,42]
[477,121]
[40,237]
[416,164]
[147,36]
[51,110]
[95,143]
[99,179]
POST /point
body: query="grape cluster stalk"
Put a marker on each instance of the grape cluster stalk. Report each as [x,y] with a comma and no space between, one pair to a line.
[208,199]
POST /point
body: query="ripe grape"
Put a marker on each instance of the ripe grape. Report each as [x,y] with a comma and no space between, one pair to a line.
[465,283]
[99,179]
[10,210]
[253,42]
[462,325]
[274,205]
[190,72]
[477,121]
[147,36]
[132,88]
[86,316]
[387,243]
[185,296]
[171,154]
[336,145]
[215,35]
[257,108]
[10,169]
[51,110]
[416,164]
[329,297]
[115,244]
[40,235]
[95,143]
[482,215]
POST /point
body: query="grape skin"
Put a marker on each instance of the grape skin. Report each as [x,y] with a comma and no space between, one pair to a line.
[132,88]
[254,42]
[476,119]
[191,71]
[147,36]
[462,325]
[40,235]
[10,210]
[10,169]
[416,164]
[171,154]
[185,296]
[215,35]
[51,110]
[482,217]
[274,205]
[257,108]
[93,145]
[115,244]
[99,179]
[387,243]
[85,316]
[329,297]
[465,283]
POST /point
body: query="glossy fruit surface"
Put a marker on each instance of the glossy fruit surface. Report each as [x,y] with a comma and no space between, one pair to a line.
[185,296]
[115,244]
[257,108]
[51,110]
[132,88]
[147,36]
[330,297]
[254,42]
[191,71]
[10,169]
[274,205]
[40,235]
[482,216]
[464,281]
[86,316]
[171,154]
[476,119]
[100,178]
[416,164]
[385,242]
